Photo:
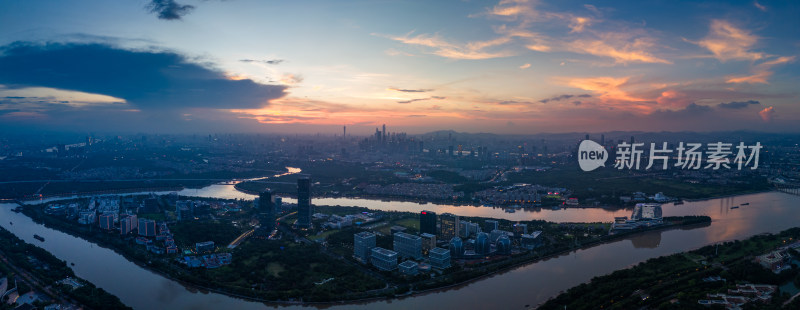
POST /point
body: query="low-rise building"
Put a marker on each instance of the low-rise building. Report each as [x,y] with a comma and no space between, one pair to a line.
[384,259]
[439,258]
[410,268]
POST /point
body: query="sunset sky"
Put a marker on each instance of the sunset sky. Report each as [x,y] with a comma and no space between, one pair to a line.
[518,67]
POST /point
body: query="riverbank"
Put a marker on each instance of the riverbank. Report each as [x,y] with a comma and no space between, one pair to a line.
[461,279]
[684,280]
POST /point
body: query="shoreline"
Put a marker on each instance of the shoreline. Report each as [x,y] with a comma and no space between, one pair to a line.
[524,262]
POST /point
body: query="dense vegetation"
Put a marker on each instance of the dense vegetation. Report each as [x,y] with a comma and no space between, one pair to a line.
[675,281]
[49,269]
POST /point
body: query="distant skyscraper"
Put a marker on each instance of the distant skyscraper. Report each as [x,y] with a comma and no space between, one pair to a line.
[427,222]
[384,133]
[587,137]
[344,131]
[449,226]
[304,202]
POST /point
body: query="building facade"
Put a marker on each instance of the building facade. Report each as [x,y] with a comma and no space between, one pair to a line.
[439,258]
[363,243]
[304,211]
[408,245]
[384,259]
[427,222]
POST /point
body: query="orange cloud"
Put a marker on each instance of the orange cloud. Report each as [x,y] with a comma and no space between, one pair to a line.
[619,46]
[673,99]
[579,23]
[761,72]
[471,50]
[767,114]
[728,42]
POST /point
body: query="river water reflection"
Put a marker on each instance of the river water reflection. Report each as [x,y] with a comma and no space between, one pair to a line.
[527,285]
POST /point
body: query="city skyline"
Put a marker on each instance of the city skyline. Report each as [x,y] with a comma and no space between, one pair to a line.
[509,67]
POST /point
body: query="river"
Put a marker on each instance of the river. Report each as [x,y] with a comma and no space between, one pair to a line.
[526,285]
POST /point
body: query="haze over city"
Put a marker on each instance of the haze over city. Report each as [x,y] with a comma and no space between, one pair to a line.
[517,67]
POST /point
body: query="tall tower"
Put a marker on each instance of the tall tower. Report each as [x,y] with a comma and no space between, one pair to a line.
[304,202]
[266,207]
[344,131]
[384,133]
[427,222]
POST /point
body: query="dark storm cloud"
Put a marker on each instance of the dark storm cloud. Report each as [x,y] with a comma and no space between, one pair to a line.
[269,62]
[145,79]
[410,90]
[737,104]
[564,97]
[169,9]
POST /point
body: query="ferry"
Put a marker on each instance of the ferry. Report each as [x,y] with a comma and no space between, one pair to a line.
[746,204]
[735,207]
[37,237]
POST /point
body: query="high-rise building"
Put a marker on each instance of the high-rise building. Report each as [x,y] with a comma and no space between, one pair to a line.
[467,229]
[427,222]
[439,258]
[456,247]
[266,208]
[490,225]
[147,228]
[503,245]
[428,242]
[127,224]
[408,245]
[383,259]
[106,221]
[449,226]
[363,243]
[482,245]
[304,202]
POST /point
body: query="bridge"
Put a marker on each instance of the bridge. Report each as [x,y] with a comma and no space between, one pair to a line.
[786,186]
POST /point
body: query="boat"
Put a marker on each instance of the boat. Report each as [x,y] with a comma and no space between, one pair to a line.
[37,237]
[735,207]
[12,223]
[679,202]
[510,210]
[746,204]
